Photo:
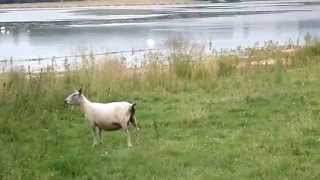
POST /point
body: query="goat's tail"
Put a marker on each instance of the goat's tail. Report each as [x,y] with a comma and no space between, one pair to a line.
[133,109]
[133,119]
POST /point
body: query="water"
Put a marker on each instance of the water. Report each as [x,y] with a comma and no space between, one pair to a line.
[58,32]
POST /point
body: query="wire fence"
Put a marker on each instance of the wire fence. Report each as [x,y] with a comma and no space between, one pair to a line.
[35,64]
[133,51]
[133,57]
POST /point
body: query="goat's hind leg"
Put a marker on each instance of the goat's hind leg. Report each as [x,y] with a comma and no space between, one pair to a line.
[94,135]
[125,127]
[100,135]
[128,138]
[133,121]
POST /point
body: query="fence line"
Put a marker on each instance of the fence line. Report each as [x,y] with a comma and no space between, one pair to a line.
[133,51]
[54,59]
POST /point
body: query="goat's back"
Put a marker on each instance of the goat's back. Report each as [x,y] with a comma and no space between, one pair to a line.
[114,111]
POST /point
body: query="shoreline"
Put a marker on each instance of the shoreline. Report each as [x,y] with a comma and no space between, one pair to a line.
[94,3]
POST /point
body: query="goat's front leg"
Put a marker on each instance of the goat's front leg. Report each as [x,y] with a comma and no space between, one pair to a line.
[94,136]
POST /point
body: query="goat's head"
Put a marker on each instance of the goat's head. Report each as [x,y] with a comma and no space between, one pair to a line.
[74,98]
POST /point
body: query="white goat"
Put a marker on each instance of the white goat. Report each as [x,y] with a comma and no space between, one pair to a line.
[105,116]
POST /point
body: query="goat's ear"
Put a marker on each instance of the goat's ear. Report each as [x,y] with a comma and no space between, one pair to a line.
[80,91]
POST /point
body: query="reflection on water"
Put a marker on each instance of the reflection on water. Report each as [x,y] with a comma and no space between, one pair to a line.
[221,25]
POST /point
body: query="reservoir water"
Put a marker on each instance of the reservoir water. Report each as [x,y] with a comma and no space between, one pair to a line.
[34,33]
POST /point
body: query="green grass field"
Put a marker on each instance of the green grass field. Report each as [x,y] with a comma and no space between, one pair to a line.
[199,121]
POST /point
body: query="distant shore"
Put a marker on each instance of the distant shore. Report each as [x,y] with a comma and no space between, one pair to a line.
[89,3]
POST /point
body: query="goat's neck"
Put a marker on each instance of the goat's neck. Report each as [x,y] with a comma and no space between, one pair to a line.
[84,104]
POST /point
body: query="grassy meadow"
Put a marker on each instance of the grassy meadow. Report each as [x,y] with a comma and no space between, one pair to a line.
[202,117]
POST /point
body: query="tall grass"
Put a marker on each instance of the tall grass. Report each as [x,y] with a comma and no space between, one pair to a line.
[185,63]
[186,67]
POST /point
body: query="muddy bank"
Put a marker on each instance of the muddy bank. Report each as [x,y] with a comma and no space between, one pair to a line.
[88,3]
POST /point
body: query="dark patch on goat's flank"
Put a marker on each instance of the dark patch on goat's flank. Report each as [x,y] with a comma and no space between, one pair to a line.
[115,126]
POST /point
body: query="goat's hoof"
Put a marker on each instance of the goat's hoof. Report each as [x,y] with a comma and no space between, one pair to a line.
[130,146]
